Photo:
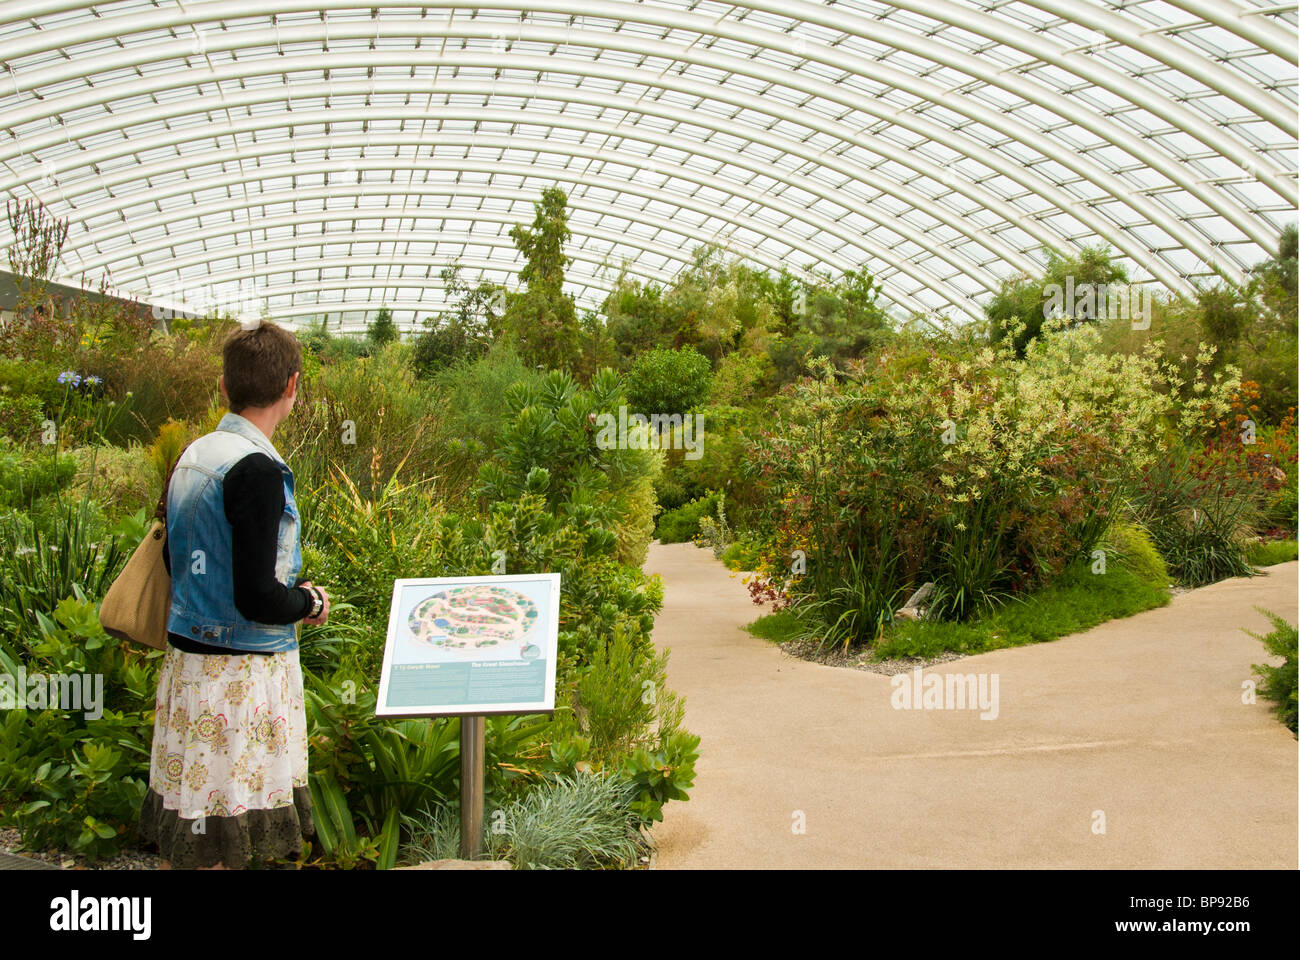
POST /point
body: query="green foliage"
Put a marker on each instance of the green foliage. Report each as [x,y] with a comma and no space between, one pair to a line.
[361,543]
[464,332]
[984,475]
[167,447]
[668,492]
[371,419]
[1022,303]
[1252,328]
[741,377]
[1200,516]
[668,381]
[1279,683]
[382,330]
[357,544]
[474,396]
[637,319]
[368,772]
[681,524]
[1132,546]
[628,719]
[1262,553]
[21,417]
[337,832]
[663,774]
[783,626]
[119,479]
[1282,513]
[715,532]
[1075,601]
[1276,277]
[443,344]
[29,477]
[542,320]
[570,823]
[70,779]
[162,377]
[386,442]
[756,329]
[727,463]
[620,697]
[549,447]
[29,377]
[833,320]
[744,553]
[857,605]
[322,348]
[43,563]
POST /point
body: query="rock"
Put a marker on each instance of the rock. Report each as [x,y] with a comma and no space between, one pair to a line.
[914,609]
[922,594]
[461,865]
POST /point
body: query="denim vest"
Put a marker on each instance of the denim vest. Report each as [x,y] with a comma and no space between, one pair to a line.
[199,542]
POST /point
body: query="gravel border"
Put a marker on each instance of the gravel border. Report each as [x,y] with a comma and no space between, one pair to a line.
[131,858]
[807,650]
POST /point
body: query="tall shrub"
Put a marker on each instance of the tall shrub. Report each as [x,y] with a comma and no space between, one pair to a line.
[984,474]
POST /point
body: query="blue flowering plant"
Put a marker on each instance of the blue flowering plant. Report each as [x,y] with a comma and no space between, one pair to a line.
[83,409]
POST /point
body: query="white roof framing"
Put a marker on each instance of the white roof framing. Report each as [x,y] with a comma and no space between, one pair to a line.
[324,158]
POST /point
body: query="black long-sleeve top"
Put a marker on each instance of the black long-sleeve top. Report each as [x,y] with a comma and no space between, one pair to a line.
[253,497]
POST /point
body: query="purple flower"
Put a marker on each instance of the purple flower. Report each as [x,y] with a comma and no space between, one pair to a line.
[69,378]
[94,381]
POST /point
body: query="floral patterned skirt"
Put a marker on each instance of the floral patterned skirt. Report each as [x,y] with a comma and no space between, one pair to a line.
[228,777]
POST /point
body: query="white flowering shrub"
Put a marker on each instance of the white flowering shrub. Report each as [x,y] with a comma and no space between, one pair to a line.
[981,472]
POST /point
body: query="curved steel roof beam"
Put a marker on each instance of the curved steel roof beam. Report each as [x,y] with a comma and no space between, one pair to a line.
[1237,18]
[296,288]
[1137,36]
[124,278]
[1060,153]
[337,190]
[230,277]
[191,161]
[234,291]
[837,259]
[999,249]
[980,23]
[1100,227]
[243,69]
[289,316]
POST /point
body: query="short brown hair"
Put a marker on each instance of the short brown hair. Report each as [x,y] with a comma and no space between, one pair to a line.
[257,363]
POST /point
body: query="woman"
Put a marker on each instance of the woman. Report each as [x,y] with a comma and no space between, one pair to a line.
[228,777]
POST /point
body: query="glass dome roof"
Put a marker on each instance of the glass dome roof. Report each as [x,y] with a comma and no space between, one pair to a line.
[317,158]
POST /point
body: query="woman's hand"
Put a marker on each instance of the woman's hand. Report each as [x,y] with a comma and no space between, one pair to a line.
[324,614]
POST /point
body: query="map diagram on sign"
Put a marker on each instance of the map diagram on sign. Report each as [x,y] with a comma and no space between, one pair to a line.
[475,621]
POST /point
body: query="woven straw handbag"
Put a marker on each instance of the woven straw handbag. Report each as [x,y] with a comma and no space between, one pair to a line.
[136,605]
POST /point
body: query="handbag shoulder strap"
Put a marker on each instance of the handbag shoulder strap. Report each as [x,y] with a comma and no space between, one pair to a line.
[160,511]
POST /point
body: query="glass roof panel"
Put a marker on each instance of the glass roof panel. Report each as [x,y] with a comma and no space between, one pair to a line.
[940,144]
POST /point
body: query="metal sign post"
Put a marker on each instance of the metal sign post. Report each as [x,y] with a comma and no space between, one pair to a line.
[472,730]
[471,647]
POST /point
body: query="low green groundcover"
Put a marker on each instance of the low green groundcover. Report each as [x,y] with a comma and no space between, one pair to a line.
[1075,601]
[1265,553]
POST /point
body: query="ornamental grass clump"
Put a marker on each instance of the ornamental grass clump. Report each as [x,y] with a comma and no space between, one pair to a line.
[1205,501]
[570,823]
[983,473]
